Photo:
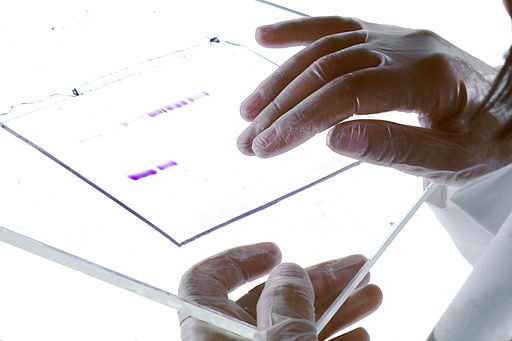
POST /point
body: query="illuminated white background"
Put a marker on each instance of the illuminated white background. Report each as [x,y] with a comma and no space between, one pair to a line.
[43,301]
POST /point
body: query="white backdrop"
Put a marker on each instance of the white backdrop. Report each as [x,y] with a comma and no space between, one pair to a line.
[40,300]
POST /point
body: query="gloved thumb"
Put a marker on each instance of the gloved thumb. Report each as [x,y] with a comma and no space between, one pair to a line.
[285,309]
[431,153]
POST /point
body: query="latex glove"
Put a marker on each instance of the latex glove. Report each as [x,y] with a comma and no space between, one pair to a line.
[210,281]
[286,308]
[351,67]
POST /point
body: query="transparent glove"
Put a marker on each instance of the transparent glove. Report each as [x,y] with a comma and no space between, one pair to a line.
[351,67]
[291,300]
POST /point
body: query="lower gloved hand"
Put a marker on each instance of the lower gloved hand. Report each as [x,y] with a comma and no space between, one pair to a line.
[286,307]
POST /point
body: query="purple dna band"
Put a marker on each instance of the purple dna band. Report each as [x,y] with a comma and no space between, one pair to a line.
[167,165]
[141,175]
[156,112]
[174,105]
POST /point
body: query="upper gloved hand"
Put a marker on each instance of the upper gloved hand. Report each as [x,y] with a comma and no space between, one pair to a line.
[291,300]
[351,67]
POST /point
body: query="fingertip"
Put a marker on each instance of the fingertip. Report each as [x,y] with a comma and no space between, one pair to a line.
[272,249]
[268,248]
[332,137]
[260,152]
[359,334]
[263,35]
[276,35]
[288,271]
[247,116]
[256,259]
[259,146]
[264,144]
[277,140]
[375,293]
[329,277]
[363,334]
[260,34]
[364,301]
[245,147]
[340,265]
[251,106]
[349,139]
[244,142]
[359,258]
[288,293]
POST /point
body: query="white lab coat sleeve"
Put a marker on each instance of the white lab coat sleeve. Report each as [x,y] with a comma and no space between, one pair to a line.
[482,310]
[469,237]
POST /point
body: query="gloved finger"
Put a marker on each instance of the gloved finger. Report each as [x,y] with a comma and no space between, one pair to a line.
[285,309]
[218,275]
[365,91]
[304,31]
[317,75]
[288,294]
[419,151]
[331,277]
[359,334]
[360,304]
[328,279]
[277,81]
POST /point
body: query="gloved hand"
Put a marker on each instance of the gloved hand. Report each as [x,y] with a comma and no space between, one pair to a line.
[351,67]
[291,300]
